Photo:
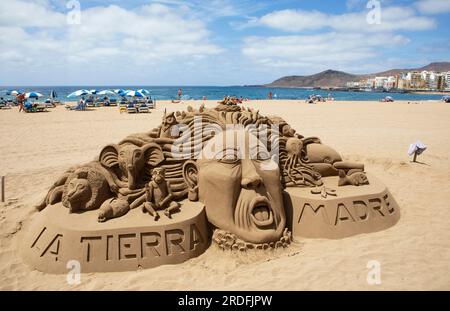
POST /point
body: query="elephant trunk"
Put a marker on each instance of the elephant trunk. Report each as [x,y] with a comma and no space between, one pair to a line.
[131,177]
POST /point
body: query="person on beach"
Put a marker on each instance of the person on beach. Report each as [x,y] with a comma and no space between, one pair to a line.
[270,95]
[20,100]
[180,93]
[81,103]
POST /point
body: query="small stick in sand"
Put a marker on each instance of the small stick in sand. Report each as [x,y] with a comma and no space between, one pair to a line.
[3,188]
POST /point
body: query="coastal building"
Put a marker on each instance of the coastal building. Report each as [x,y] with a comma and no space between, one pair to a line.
[416,81]
[447,78]
[412,80]
[378,82]
[440,82]
[353,84]
[390,83]
[403,84]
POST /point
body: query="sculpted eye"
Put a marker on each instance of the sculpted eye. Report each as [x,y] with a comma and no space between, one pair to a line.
[229,157]
[263,156]
[229,161]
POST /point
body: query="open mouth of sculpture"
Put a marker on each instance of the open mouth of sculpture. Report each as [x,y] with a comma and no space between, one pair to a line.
[261,212]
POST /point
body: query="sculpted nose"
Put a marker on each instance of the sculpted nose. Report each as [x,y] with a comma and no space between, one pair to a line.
[250,177]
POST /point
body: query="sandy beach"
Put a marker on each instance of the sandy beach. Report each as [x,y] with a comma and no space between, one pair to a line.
[36,148]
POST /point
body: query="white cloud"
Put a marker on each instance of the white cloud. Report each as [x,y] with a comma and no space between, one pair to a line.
[312,53]
[211,9]
[108,37]
[433,6]
[20,13]
[392,18]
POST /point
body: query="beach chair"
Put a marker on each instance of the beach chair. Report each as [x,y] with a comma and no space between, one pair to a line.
[151,104]
[89,102]
[131,108]
[143,108]
[49,104]
[113,102]
[99,103]
[123,105]
[76,107]
[40,108]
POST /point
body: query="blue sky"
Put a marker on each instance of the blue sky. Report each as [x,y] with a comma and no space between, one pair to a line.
[215,42]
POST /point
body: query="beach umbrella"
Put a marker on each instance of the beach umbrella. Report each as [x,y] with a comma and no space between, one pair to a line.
[93,91]
[120,92]
[144,91]
[79,93]
[13,93]
[33,95]
[106,92]
[134,94]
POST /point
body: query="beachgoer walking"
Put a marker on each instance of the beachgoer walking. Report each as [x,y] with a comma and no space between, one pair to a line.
[180,93]
[270,95]
[20,100]
[81,103]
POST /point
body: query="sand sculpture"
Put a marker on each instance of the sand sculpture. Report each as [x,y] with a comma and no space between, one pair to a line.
[227,175]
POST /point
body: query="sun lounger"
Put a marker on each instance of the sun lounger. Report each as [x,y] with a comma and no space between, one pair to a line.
[29,107]
[131,108]
[77,107]
[143,108]
[41,108]
[113,102]
[49,104]
[89,103]
[151,104]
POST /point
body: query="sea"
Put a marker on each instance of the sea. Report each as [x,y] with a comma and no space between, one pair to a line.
[218,92]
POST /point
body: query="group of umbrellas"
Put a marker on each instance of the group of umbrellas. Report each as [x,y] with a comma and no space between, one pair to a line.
[131,93]
[121,92]
[30,94]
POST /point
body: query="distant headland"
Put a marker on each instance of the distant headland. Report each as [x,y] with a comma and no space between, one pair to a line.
[432,77]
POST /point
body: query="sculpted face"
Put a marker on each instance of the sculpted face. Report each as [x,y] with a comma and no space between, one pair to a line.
[78,193]
[240,187]
[158,175]
[131,160]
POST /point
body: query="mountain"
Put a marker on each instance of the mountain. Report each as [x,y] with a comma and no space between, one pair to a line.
[438,67]
[333,78]
[328,78]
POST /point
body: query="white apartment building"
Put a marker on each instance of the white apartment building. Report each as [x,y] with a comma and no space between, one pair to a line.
[447,78]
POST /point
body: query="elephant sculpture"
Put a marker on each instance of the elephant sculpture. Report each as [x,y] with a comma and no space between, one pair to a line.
[130,161]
